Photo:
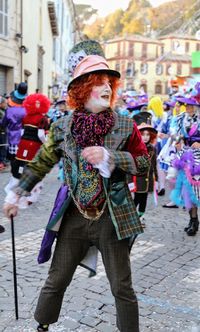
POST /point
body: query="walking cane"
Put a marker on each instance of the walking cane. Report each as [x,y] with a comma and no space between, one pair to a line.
[14,266]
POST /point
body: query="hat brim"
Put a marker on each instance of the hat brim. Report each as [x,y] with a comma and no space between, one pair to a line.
[15,99]
[19,95]
[153,130]
[187,101]
[106,71]
[136,107]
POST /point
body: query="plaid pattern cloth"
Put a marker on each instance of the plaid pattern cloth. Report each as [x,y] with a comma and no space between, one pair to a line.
[122,211]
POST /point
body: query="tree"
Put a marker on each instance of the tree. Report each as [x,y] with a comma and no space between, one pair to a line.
[94,30]
[84,14]
[113,26]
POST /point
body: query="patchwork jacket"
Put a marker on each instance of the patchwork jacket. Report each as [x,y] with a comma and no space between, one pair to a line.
[60,144]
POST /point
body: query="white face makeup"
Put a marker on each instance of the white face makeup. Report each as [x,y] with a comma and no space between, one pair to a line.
[100,98]
[145,136]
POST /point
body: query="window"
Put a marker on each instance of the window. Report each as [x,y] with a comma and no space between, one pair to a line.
[118,49]
[131,49]
[179,69]
[159,69]
[187,47]
[143,68]
[143,86]
[198,47]
[130,71]
[117,67]
[4,18]
[158,88]
[144,50]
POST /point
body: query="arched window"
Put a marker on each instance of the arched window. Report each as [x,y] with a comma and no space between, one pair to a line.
[159,69]
[144,68]
[130,69]
[158,88]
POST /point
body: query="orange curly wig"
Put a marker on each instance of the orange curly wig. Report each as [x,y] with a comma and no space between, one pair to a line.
[81,89]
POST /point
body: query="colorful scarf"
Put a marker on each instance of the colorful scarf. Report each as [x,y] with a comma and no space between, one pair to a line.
[89,129]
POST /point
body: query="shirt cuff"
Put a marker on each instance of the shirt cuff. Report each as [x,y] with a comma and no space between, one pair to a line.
[13,198]
[104,166]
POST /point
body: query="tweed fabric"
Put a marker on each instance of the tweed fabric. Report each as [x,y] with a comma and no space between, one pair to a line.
[120,202]
[75,237]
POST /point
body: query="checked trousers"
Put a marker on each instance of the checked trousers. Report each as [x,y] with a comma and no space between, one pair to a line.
[75,236]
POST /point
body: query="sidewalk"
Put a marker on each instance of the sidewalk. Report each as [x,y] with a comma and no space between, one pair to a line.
[165,264]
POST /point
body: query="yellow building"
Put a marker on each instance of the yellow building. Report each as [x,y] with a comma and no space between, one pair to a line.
[150,64]
[35,38]
[10,53]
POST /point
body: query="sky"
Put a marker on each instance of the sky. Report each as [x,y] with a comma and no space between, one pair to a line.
[106,7]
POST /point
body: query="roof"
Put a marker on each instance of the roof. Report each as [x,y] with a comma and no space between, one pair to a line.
[174,57]
[135,38]
[179,36]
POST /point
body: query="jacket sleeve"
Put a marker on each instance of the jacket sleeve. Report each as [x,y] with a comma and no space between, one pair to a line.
[135,159]
[42,163]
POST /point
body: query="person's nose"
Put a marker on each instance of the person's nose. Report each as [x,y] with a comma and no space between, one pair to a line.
[108,87]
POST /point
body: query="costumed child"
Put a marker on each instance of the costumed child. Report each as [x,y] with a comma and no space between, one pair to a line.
[159,117]
[35,124]
[101,150]
[187,163]
[144,184]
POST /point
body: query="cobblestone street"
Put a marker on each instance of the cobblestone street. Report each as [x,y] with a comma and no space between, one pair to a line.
[165,264]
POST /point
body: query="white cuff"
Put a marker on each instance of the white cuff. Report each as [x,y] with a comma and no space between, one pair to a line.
[103,166]
[41,135]
[14,199]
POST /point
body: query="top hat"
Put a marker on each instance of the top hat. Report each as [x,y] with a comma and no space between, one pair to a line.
[142,117]
[17,96]
[88,57]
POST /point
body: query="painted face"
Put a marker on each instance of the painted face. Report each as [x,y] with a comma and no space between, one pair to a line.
[145,136]
[100,97]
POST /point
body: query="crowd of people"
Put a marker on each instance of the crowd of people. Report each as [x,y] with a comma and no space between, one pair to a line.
[24,124]
[175,123]
[111,157]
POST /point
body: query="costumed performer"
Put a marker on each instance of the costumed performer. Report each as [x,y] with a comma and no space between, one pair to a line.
[101,150]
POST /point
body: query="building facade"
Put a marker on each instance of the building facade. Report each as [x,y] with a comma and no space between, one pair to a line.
[150,64]
[35,38]
[10,25]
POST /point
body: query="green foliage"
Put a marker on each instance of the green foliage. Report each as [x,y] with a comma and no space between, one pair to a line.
[113,25]
[164,19]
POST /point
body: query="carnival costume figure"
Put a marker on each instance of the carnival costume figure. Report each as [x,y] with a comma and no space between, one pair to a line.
[143,184]
[101,150]
[187,163]
[34,124]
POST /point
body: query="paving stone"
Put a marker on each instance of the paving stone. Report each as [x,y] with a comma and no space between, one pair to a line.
[165,264]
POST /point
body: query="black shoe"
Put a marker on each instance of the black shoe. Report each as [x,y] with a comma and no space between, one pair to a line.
[2,229]
[43,328]
[194,227]
[174,206]
[188,226]
[161,192]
